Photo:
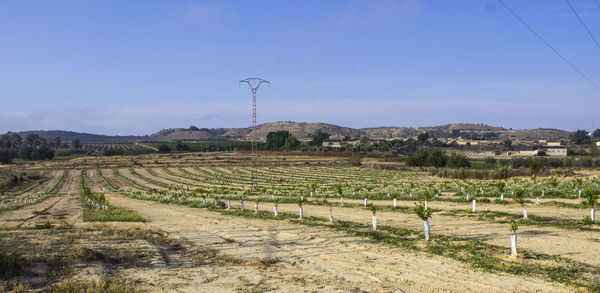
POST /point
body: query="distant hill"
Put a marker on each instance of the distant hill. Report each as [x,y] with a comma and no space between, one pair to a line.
[305,130]
[67,136]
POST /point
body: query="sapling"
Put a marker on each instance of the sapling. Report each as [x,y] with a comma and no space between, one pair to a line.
[519,197]
[300,201]
[424,214]
[513,238]
[427,196]
[330,214]
[501,185]
[591,201]
[258,200]
[373,209]
[338,188]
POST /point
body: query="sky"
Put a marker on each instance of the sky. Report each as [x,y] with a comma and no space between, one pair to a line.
[135,67]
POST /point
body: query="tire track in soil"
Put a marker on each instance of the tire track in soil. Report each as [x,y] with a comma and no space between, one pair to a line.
[65,210]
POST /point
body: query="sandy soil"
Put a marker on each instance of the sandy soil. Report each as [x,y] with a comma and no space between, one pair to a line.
[60,209]
[310,259]
[566,243]
[315,259]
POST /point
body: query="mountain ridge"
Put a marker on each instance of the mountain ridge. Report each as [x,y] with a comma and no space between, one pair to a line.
[305,130]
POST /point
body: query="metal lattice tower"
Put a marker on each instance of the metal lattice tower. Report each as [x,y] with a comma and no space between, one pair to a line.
[254,83]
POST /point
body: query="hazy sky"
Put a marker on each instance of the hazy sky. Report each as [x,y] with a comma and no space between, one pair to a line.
[135,67]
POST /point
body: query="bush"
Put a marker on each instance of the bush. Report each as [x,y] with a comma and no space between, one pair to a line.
[163,148]
[355,160]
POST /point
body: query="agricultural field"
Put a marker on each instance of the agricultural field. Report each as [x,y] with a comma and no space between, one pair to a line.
[194,222]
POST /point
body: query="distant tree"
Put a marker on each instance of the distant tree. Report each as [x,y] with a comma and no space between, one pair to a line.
[57,142]
[364,140]
[291,143]
[580,137]
[508,144]
[489,161]
[75,143]
[436,159]
[355,160]
[596,133]
[457,160]
[276,139]
[193,128]
[455,133]
[593,149]
[423,137]
[319,137]
[7,156]
[182,147]
[163,148]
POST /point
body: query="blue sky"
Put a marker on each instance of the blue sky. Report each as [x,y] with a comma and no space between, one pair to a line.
[135,67]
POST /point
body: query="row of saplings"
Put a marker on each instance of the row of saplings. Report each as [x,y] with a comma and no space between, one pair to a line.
[424,213]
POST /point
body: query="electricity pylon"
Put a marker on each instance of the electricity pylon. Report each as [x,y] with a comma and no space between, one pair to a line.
[254,83]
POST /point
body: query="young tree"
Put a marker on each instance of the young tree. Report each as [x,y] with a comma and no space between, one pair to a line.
[275,207]
[300,201]
[591,201]
[424,214]
[500,185]
[258,200]
[513,238]
[373,209]
[519,197]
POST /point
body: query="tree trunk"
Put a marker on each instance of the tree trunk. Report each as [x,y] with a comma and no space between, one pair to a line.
[275,211]
[473,207]
[301,213]
[374,223]
[524,213]
[426,230]
[394,202]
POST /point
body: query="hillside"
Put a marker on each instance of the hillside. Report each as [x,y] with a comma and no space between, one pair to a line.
[305,130]
[67,136]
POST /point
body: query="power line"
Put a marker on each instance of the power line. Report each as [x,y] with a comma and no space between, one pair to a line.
[549,46]
[583,23]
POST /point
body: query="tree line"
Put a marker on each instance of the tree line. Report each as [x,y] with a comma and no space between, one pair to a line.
[33,147]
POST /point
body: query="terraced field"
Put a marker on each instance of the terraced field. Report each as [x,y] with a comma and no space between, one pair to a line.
[196,224]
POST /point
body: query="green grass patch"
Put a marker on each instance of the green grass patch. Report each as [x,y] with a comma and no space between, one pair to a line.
[113,214]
